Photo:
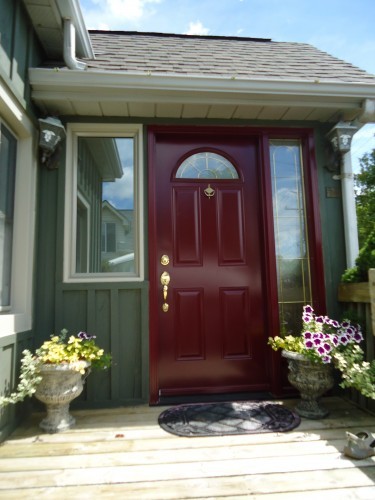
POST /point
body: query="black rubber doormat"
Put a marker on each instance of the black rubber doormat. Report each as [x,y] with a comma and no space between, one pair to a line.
[224,419]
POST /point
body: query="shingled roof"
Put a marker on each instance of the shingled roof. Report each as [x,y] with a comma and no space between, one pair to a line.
[234,57]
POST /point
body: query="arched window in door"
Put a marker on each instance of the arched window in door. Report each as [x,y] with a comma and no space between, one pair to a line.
[206,165]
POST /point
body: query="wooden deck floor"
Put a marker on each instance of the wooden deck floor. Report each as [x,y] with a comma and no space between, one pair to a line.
[123,453]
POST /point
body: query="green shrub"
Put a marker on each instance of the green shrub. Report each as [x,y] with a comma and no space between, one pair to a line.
[364,262]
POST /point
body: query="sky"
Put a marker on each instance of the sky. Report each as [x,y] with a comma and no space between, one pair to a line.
[343,28]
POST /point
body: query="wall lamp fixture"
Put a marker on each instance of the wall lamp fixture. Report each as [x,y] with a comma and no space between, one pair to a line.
[339,140]
[52,132]
[341,136]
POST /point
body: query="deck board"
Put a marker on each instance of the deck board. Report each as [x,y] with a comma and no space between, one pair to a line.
[123,452]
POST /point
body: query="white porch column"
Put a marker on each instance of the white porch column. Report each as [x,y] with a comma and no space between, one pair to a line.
[349,210]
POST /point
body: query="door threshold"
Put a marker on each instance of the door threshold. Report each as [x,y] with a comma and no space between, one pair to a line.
[214,398]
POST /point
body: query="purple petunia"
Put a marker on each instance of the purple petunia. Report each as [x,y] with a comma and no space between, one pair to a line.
[344,339]
[327,347]
[326,359]
[335,340]
[308,310]
[85,336]
[318,335]
[358,337]
[306,318]
[350,330]
[309,344]
[334,323]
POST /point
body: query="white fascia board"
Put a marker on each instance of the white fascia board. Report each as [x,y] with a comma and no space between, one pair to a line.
[50,84]
[70,9]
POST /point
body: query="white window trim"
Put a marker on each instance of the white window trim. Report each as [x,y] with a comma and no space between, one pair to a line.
[75,130]
[19,316]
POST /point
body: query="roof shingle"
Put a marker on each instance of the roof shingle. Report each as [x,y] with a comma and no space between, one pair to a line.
[232,57]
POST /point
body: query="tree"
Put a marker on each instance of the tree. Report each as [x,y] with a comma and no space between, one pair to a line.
[365,196]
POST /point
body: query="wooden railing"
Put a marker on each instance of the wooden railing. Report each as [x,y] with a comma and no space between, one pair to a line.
[360,299]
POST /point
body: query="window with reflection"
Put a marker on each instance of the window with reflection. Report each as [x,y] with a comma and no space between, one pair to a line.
[292,251]
[206,165]
[8,150]
[105,215]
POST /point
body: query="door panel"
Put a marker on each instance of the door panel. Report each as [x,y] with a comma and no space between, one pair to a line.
[213,337]
[187,248]
[230,230]
[189,324]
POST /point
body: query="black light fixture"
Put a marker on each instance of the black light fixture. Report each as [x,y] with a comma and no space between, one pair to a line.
[52,132]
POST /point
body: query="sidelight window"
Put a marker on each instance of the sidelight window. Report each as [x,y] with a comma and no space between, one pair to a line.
[292,249]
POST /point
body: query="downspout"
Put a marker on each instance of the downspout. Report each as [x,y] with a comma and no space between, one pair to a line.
[70,46]
[349,210]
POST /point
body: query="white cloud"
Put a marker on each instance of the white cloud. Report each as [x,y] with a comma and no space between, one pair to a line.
[197,28]
[121,192]
[114,12]
[131,10]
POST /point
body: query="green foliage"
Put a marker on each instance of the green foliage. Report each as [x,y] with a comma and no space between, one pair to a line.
[364,262]
[365,196]
[76,350]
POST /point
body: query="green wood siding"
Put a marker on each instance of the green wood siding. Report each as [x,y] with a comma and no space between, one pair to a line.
[331,215]
[117,313]
[19,49]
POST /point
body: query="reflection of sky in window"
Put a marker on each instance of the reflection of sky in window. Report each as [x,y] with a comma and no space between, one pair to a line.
[120,193]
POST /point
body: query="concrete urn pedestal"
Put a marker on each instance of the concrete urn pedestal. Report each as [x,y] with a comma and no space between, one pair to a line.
[61,383]
[312,380]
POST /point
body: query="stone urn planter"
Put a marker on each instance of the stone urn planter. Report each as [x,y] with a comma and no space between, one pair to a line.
[312,380]
[60,384]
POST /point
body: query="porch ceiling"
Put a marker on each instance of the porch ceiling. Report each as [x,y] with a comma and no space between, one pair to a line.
[104,94]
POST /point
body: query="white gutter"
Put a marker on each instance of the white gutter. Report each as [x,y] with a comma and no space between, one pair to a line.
[368,111]
[104,79]
[70,47]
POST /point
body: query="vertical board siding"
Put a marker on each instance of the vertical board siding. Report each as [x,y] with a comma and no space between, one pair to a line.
[115,315]
[19,47]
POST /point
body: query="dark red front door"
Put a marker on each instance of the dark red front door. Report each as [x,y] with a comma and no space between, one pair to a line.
[211,336]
